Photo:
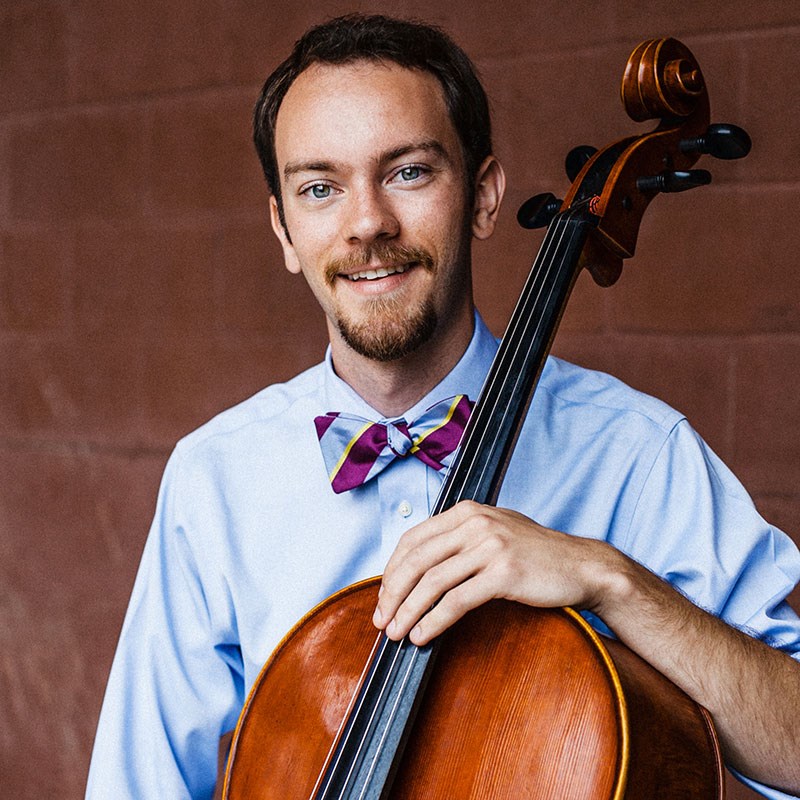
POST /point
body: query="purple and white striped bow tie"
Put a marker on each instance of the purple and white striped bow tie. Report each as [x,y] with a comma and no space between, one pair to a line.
[356,450]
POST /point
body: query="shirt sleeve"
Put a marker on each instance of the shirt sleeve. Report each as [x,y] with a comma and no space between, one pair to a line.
[174,687]
[696,526]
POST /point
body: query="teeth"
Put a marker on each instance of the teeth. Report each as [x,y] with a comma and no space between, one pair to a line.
[372,274]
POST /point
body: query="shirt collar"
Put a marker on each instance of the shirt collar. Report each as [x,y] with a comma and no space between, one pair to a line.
[465,378]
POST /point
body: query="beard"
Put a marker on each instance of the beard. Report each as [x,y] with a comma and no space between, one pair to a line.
[390,328]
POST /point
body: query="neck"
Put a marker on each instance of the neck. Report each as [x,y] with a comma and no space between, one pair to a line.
[392,387]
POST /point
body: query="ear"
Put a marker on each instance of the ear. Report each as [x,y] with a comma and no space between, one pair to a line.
[289,255]
[490,186]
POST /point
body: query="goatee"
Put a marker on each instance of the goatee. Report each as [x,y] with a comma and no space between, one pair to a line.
[390,329]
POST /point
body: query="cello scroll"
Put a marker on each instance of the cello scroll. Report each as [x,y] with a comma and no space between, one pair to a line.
[662,81]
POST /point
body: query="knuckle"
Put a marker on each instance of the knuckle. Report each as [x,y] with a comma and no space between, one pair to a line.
[414,560]
[465,510]
[485,524]
[436,580]
[494,545]
[495,540]
[506,574]
[455,604]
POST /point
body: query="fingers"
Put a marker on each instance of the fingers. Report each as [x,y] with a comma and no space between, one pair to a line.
[470,554]
[461,558]
[456,602]
[424,548]
[453,582]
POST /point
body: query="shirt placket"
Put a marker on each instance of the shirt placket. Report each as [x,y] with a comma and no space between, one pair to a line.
[403,490]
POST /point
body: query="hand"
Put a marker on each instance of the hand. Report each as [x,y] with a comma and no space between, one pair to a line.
[474,553]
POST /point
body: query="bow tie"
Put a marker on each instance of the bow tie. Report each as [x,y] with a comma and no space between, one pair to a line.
[356,450]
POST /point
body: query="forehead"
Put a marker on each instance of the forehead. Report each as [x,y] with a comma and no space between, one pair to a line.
[354,111]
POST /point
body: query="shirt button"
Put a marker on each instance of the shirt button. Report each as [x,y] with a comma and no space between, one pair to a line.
[405,508]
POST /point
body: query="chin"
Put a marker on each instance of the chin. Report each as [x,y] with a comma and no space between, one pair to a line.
[389,340]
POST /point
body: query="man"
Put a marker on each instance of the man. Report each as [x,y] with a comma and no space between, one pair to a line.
[374,136]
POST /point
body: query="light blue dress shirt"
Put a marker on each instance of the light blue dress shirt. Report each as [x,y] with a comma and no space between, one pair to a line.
[248,536]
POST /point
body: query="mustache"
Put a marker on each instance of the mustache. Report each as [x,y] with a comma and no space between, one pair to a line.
[384,253]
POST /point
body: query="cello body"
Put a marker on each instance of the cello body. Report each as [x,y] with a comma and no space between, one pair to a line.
[523,703]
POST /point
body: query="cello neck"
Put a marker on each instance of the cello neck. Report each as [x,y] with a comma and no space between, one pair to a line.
[497,418]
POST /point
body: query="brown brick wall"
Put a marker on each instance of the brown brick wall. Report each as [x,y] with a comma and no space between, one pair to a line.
[141,291]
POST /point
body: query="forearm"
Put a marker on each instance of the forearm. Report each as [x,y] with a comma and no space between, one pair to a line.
[751,690]
[457,560]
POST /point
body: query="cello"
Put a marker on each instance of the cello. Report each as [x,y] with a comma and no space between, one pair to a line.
[511,701]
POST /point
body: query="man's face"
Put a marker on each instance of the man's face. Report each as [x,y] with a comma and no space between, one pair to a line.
[375,202]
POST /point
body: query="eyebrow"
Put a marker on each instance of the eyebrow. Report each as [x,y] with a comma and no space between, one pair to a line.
[292,168]
[427,145]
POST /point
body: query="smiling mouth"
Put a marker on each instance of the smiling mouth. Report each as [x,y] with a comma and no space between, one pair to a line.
[379,272]
[378,261]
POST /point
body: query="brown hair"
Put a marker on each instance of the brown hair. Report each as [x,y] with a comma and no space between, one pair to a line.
[413,45]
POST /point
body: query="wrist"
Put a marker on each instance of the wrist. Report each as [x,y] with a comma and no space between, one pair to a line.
[613,581]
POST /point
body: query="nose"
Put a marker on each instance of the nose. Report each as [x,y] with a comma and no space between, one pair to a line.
[370,216]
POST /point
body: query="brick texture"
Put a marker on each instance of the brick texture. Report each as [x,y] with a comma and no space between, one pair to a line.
[34,282]
[141,290]
[721,287]
[73,529]
[201,155]
[34,57]
[155,46]
[76,164]
[767,413]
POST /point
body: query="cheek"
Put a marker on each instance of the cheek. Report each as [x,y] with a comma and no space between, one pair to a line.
[444,220]
[424,227]
[446,238]
[310,244]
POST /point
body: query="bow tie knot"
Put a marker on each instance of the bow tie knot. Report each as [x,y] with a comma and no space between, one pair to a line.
[398,438]
[356,450]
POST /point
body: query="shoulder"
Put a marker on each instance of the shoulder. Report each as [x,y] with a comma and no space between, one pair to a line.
[275,405]
[591,441]
[580,392]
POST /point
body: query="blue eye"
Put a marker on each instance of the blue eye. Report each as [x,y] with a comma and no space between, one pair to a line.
[320,191]
[410,173]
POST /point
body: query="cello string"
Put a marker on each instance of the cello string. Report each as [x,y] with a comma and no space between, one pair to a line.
[558,271]
[530,297]
[363,737]
[516,361]
[392,714]
[553,274]
[511,353]
[322,789]
[370,732]
[489,392]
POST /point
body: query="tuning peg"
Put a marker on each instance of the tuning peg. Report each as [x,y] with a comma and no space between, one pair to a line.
[537,211]
[576,158]
[721,141]
[668,181]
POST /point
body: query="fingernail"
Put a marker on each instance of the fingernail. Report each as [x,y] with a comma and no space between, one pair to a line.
[377,618]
